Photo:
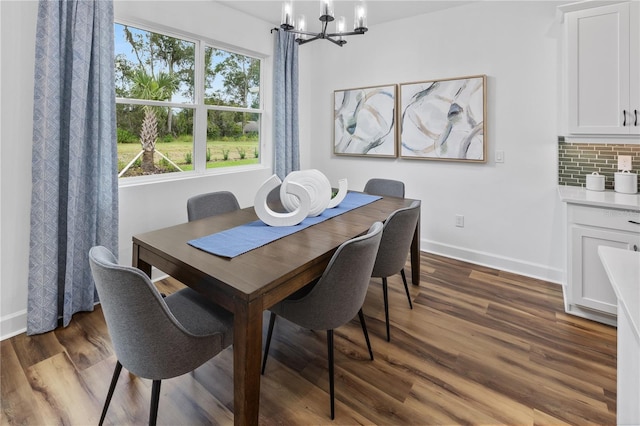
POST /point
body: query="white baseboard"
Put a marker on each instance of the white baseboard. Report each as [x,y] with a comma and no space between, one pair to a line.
[516,266]
[13,324]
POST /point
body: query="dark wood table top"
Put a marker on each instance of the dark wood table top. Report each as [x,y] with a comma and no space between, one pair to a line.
[264,269]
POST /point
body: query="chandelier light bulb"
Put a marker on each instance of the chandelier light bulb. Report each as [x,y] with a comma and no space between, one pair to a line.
[301,25]
[326,10]
[287,15]
[360,16]
[340,25]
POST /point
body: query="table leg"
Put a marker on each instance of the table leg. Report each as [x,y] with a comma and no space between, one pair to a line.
[136,262]
[247,350]
[415,255]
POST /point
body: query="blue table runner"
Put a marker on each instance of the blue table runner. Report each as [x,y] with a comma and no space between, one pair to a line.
[241,239]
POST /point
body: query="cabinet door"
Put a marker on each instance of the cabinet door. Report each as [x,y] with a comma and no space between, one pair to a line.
[634,74]
[589,283]
[598,70]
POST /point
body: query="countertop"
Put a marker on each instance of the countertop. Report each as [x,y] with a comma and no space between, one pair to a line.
[623,270]
[607,198]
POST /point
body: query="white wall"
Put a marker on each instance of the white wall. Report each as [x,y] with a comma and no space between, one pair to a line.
[512,213]
[18,26]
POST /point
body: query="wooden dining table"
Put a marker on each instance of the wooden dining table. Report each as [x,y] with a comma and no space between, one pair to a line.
[254,281]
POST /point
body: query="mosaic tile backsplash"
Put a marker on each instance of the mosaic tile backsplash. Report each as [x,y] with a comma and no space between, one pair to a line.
[576,160]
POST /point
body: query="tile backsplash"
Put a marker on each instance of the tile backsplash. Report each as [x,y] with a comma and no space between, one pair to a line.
[576,160]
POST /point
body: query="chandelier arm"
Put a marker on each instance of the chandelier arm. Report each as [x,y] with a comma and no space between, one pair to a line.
[309,33]
[321,33]
[301,41]
[345,34]
[338,42]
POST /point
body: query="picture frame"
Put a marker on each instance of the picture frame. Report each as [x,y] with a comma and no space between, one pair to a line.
[443,119]
[365,121]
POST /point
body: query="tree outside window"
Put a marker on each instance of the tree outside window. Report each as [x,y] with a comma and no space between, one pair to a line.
[157,103]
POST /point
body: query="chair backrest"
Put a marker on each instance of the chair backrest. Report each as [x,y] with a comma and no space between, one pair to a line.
[147,339]
[340,292]
[396,241]
[385,187]
[211,204]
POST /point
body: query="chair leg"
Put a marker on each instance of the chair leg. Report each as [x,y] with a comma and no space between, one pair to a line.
[272,322]
[406,287]
[331,388]
[112,387]
[155,399]
[386,306]
[364,330]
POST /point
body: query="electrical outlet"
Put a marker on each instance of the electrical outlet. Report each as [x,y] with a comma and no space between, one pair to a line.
[499,156]
[624,162]
[460,221]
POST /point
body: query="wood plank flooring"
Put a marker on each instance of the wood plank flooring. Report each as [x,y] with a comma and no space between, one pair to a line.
[480,346]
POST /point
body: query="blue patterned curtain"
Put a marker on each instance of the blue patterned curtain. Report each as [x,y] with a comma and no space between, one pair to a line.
[74,202]
[285,95]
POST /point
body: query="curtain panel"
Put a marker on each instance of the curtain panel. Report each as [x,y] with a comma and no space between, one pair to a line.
[285,95]
[74,201]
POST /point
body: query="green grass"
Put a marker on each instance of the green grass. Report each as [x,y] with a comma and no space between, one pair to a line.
[218,164]
[178,149]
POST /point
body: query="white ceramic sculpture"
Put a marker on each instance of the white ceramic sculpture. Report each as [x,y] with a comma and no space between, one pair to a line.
[304,193]
[342,192]
[315,182]
[291,218]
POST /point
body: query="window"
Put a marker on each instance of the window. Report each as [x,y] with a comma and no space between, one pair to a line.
[183,104]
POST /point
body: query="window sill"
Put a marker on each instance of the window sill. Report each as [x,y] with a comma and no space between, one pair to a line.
[173,177]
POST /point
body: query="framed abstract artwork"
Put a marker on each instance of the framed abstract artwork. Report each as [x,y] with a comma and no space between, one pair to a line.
[444,119]
[365,121]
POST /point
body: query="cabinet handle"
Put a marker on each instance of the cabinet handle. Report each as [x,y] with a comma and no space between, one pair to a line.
[624,117]
[633,221]
[635,247]
[635,114]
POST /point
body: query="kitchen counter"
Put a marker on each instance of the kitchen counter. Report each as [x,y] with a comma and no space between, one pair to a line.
[607,198]
[623,270]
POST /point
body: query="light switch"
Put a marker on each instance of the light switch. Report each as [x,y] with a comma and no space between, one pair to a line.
[624,162]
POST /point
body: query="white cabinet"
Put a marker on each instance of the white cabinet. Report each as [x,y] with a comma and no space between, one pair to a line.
[589,293]
[603,70]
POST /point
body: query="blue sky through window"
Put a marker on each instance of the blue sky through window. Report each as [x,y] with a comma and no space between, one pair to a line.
[215,83]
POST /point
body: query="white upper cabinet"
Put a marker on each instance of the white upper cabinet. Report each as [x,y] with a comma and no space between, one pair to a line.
[603,65]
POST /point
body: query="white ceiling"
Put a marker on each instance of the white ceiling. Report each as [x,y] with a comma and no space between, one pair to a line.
[379,11]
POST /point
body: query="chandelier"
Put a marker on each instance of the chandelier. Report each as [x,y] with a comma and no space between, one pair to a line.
[299,26]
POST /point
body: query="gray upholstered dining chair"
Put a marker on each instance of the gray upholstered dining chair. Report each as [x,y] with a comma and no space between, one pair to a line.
[396,240]
[154,337]
[385,187]
[335,298]
[211,204]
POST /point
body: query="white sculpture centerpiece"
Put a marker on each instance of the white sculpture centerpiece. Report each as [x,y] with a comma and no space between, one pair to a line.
[303,193]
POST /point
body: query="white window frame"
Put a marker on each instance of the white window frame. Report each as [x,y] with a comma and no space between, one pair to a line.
[200,108]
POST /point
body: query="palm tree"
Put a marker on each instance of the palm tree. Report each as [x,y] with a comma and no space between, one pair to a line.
[160,88]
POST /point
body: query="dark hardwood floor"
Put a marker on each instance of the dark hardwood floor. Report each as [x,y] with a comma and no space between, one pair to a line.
[480,346]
